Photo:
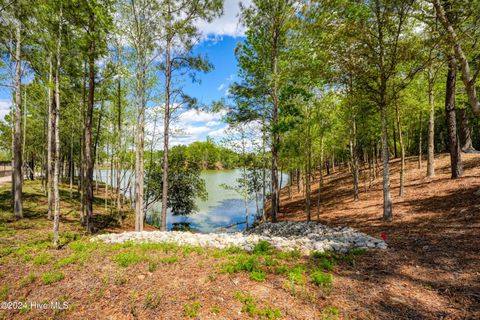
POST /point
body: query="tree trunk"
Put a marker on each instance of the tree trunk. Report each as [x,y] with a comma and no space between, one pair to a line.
[420,138]
[445,17]
[387,201]
[465,132]
[166,135]
[56,171]
[431,125]
[17,145]
[402,149]
[454,145]
[354,159]
[89,159]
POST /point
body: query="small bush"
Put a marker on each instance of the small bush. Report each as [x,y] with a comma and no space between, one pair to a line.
[80,257]
[52,277]
[191,309]
[257,275]
[152,266]
[242,263]
[295,275]
[4,292]
[152,299]
[330,313]
[215,310]
[124,259]
[28,279]
[322,279]
[292,255]
[41,259]
[326,264]
[250,307]
[262,247]
[171,259]
[81,246]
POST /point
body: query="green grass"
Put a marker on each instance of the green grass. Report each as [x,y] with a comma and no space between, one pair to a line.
[262,247]
[326,264]
[257,275]
[322,279]
[295,275]
[250,307]
[42,259]
[52,277]
[152,299]
[4,290]
[215,309]
[330,313]
[125,259]
[28,279]
[168,260]
[191,310]
[80,257]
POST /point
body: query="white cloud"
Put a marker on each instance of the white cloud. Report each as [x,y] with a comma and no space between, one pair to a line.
[212,123]
[221,87]
[191,116]
[5,105]
[227,24]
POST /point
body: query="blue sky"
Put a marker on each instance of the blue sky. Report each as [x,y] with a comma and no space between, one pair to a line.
[220,38]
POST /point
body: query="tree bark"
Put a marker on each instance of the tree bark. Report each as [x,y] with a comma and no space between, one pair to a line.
[454,145]
[444,16]
[166,134]
[56,172]
[387,201]
[402,149]
[431,124]
[17,145]
[465,132]
[89,159]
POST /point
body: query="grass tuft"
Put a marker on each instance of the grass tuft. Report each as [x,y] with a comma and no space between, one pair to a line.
[52,277]
[191,310]
[125,259]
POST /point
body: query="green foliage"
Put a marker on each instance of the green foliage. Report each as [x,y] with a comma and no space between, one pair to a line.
[4,290]
[169,260]
[257,275]
[191,310]
[52,277]
[330,313]
[184,183]
[28,279]
[152,299]
[215,309]
[295,275]
[250,307]
[125,259]
[241,262]
[322,279]
[42,259]
[80,257]
[262,247]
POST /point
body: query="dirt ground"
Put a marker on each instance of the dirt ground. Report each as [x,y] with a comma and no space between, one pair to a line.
[432,267]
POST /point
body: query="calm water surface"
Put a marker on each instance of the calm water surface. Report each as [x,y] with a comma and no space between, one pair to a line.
[222,208]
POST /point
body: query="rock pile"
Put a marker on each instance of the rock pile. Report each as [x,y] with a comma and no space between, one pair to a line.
[285,236]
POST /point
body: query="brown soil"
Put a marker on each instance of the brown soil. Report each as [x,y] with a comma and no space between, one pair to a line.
[432,267]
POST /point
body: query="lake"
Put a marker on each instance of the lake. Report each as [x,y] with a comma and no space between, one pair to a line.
[222,208]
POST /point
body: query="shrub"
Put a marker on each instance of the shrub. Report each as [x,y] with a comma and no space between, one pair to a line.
[326,264]
[257,275]
[322,279]
[28,279]
[242,263]
[330,313]
[191,309]
[262,247]
[41,259]
[250,307]
[52,277]
[124,259]
[295,275]
[152,299]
